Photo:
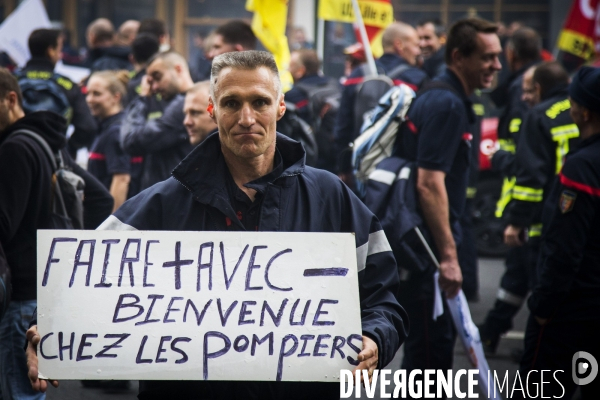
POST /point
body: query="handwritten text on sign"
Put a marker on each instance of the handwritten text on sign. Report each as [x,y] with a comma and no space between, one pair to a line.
[197,305]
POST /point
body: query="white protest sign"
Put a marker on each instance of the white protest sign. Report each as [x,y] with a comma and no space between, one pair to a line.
[197,305]
[16,28]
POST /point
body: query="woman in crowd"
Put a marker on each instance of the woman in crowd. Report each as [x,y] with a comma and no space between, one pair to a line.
[118,171]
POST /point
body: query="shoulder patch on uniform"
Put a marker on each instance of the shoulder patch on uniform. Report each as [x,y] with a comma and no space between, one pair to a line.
[567,201]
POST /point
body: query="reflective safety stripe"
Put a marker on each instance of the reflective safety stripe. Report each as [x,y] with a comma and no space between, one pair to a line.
[404,173]
[479,109]
[535,230]
[507,145]
[524,193]
[514,125]
[377,243]
[510,298]
[154,115]
[558,107]
[561,135]
[505,195]
[383,176]
[113,223]
[471,192]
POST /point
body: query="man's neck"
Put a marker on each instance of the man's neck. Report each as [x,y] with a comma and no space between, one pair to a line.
[244,170]
[463,81]
[589,130]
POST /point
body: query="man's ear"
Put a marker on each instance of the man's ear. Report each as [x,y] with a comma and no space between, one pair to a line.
[211,109]
[238,47]
[281,109]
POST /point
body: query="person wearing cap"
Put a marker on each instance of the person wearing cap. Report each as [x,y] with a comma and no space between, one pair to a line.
[564,304]
[355,57]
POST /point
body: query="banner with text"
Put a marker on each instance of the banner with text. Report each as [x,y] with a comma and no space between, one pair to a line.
[197,305]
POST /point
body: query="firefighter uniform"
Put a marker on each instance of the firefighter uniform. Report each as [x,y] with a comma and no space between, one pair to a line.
[568,293]
[547,134]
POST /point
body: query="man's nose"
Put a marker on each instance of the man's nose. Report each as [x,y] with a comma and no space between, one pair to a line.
[187,120]
[247,116]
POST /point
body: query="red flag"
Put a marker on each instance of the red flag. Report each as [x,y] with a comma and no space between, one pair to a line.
[578,40]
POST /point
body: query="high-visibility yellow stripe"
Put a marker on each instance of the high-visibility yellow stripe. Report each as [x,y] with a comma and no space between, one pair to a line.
[514,125]
[535,230]
[524,193]
[555,109]
[505,195]
[479,109]
[471,192]
[576,43]
[507,145]
[561,135]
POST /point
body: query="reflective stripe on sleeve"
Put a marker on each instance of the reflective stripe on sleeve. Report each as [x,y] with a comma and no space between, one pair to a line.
[535,230]
[510,298]
[524,193]
[377,243]
[561,135]
[505,195]
[383,176]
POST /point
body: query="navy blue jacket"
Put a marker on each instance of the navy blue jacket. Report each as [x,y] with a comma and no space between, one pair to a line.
[345,130]
[301,199]
[299,97]
[569,264]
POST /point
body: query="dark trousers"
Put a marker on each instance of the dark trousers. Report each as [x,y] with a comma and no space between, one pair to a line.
[467,254]
[553,346]
[430,344]
[516,282]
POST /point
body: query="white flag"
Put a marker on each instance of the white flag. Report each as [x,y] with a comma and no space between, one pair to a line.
[16,28]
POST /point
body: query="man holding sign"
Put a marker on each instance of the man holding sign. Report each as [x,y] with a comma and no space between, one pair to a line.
[249,178]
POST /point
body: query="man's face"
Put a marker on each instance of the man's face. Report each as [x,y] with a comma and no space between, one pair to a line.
[247,107]
[296,68]
[219,47]
[411,49]
[4,113]
[55,54]
[479,68]
[576,113]
[429,42]
[530,94]
[163,79]
[198,121]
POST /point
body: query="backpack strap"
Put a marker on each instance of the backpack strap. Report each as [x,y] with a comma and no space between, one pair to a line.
[42,142]
[394,73]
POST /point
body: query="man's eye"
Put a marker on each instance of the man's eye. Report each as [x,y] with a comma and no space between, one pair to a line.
[230,103]
[260,103]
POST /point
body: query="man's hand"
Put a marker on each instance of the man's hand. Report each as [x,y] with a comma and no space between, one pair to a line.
[368,358]
[450,277]
[145,89]
[512,236]
[33,338]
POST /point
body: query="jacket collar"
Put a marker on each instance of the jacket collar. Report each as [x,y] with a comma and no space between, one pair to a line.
[208,184]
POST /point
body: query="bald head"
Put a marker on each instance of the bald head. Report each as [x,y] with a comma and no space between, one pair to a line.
[127,32]
[401,39]
[198,121]
[168,74]
[100,33]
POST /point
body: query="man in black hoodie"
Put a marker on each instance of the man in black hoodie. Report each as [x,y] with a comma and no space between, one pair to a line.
[25,207]
[45,46]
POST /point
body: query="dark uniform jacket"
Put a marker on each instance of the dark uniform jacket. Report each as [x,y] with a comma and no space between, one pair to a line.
[346,128]
[300,199]
[25,195]
[82,120]
[547,135]
[163,141]
[111,58]
[569,266]
[299,97]
[435,65]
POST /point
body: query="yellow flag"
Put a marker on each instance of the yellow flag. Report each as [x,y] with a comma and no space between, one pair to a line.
[268,24]
[379,13]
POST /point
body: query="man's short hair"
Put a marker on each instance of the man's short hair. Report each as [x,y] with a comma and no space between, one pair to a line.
[396,30]
[41,40]
[102,29]
[310,60]
[463,36]
[237,32]
[438,28]
[550,75]
[153,26]
[199,87]
[8,83]
[246,60]
[143,47]
[170,58]
[526,44]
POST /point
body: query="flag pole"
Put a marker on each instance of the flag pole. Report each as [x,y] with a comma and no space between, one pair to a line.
[320,38]
[365,39]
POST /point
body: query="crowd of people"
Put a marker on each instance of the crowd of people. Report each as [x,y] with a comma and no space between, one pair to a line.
[177,149]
